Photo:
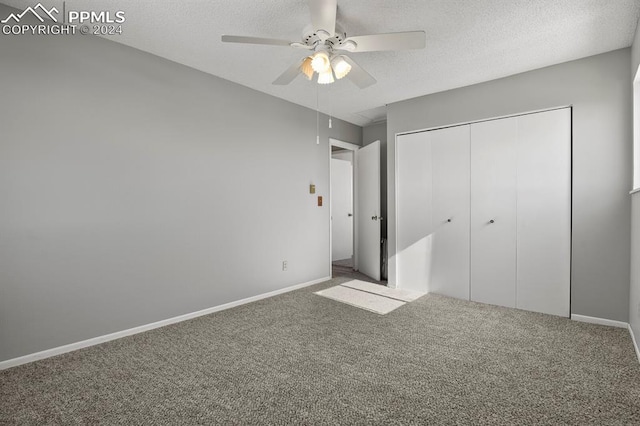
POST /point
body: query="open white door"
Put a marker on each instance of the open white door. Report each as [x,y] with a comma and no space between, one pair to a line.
[368,210]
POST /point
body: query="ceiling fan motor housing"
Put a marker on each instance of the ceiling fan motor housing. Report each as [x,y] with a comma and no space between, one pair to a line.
[318,38]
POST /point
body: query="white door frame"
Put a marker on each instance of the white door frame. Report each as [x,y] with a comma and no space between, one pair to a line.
[350,147]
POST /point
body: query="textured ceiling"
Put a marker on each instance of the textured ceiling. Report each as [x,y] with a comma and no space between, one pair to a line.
[468,41]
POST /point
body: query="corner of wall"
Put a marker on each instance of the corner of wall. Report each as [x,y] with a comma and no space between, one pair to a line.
[635,50]
[635,342]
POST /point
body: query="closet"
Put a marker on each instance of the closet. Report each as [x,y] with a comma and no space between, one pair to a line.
[484,211]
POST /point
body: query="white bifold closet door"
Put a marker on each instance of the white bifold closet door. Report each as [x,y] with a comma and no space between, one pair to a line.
[544,212]
[450,217]
[484,211]
[414,239]
[493,211]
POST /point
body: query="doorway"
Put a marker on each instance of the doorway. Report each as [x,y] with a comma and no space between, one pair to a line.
[354,210]
[342,206]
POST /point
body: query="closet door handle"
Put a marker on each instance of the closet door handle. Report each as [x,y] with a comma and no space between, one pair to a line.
[448,220]
[491,221]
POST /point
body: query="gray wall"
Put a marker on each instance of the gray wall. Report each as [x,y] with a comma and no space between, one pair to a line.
[634,293]
[134,189]
[378,132]
[599,88]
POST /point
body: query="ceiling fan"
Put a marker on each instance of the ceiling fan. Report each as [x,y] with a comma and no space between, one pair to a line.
[329,44]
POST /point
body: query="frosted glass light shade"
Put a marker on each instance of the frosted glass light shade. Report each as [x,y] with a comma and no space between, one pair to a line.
[325,77]
[341,68]
[306,68]
[320,63]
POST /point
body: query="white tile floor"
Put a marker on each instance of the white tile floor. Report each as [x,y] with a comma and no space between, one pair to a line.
[372,297]
[399,294]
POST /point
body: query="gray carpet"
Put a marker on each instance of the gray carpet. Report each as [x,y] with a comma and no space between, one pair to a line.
[299,358]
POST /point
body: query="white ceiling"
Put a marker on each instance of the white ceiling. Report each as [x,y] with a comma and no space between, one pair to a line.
[468,41]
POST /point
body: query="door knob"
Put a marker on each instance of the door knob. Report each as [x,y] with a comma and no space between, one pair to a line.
[374,217]
[491,221]
[349,214]
[449,220]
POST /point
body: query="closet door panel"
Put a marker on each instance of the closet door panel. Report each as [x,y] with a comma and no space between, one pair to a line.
[450,218]
[414,209]
[493,211]
[544,212]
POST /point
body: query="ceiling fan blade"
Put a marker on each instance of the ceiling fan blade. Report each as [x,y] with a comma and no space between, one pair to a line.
[390,41]
[255,40]
[289,75]
[323,15]
[358,75]
[299,45]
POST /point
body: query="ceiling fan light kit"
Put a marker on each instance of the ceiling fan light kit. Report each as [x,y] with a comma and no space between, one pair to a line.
[325,39]
[326,67]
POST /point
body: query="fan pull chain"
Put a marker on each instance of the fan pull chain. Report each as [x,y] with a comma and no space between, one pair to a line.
[330,108]
[317,115]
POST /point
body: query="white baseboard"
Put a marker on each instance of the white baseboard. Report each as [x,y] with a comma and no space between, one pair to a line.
[600,321]
[635,342]
[611,323]
[14,362]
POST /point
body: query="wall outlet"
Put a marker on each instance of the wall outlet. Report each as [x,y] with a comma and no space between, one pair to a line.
[284,265]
